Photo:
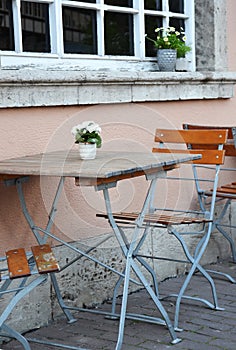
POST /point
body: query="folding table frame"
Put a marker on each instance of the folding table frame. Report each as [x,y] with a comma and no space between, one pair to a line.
[152,166]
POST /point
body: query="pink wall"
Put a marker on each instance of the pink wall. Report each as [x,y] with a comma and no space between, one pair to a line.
[124,126]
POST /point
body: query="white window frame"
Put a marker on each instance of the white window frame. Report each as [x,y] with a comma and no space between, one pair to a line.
[99,61]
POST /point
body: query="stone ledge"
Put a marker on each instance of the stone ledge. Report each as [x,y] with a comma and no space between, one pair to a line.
[36,87]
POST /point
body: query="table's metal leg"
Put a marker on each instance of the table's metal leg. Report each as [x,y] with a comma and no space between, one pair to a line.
[41,239]
[128,253]
[42,235]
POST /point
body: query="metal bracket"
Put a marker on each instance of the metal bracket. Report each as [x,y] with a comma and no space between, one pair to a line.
[12,182]
[105,186]
[234,135]
[159,174]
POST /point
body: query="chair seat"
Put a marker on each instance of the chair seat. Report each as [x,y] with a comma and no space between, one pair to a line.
[225,191]
[18,264]
[155,219]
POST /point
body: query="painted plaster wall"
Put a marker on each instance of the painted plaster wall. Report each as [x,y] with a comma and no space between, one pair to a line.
[124,126]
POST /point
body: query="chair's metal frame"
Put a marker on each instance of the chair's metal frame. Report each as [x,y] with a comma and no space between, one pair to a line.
[193,260]
[226,199]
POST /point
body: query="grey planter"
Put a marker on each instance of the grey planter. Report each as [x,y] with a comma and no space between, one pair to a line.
[166,59]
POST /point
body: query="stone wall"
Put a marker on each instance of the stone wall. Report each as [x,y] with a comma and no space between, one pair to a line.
[211,40]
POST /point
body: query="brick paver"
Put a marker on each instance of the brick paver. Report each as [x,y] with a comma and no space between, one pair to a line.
[204,328]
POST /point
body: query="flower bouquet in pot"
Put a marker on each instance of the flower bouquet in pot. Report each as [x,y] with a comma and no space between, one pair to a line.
[170,44]
[87,135]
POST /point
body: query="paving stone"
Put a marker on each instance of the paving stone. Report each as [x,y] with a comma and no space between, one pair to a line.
[204,328]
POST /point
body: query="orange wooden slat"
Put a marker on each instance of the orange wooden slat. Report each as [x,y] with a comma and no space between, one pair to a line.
[204,137]
[45,259]
[208,156]
[230,186]
[229,147]
[17,263]
[226,190]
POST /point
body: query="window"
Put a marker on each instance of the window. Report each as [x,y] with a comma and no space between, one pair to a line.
[35,27]
[101,29]
[6,26]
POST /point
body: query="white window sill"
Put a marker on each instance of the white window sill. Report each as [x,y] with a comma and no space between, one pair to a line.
[36,87]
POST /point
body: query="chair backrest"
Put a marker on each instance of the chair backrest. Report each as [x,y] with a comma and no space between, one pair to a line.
[230,146]
[208,143]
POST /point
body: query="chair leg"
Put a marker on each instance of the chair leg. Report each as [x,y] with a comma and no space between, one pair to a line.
[16,335]
[195,265]
[219,227]
[15,299]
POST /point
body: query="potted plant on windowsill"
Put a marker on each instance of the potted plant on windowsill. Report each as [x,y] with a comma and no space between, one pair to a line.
[170,45]
[87,135]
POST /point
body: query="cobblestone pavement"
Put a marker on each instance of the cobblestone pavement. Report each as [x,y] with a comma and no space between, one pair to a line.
[204,328]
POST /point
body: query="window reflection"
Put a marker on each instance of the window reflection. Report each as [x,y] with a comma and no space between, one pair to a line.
[6,26]
[121,3]
[176,6]
[153,5]
[79,30]
[177,23]
[90,1]
[35,27]
[118,34]
[151,23]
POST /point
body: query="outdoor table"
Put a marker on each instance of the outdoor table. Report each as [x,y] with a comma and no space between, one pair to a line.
[103,173]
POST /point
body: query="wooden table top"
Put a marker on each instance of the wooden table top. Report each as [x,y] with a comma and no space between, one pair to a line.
[107,165]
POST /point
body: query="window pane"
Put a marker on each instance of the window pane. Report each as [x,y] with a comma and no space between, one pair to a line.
[177,23]
[35,27]
[90,1]
[153,4]
[151,23]
[79,30]
[176,6]
[6,26]
[122,3]
[118,34]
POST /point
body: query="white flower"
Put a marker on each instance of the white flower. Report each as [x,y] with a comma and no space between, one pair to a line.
[87,132]
[93,127]
[74,130]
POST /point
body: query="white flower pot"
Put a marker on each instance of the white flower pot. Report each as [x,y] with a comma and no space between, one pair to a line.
[87,150]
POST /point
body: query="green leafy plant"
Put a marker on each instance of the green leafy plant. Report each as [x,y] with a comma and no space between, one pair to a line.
[170,38]
[87,132]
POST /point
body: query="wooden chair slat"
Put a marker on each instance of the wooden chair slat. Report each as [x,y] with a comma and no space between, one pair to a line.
[231,186]
[229,147]
[156,218]
[210,127]
[45,258]
[226,190]
[208,156]
[203,137]
[17,263]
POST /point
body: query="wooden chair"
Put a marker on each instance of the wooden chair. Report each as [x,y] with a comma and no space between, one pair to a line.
[226,193]
[28,271]
[198,223]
